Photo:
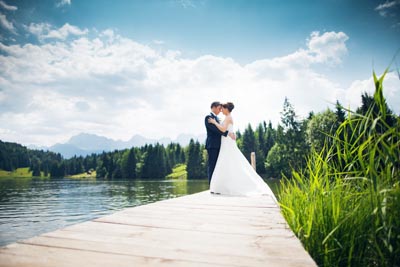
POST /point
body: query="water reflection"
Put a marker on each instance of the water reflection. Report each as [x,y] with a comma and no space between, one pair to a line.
[29,207]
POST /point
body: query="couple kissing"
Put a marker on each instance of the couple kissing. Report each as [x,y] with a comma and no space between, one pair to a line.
[229,172]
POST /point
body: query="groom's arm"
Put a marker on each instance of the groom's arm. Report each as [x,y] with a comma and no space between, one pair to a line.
[214,128]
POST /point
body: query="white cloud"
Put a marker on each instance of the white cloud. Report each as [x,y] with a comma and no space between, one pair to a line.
[385,8]
[390,10]
[187,3]
[62,3]
[66,30]
[158,42]
[8,7]
[38,28]
[116,87]
[45,31]
[109,33]
[328,48]
[7,24]
[352,96]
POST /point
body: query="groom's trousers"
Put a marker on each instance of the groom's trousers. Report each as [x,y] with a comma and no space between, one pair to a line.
[212,161]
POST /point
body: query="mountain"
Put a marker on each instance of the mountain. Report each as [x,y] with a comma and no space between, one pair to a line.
[87,141]
[85,144]
[138,141]
[68,151]
[184,139]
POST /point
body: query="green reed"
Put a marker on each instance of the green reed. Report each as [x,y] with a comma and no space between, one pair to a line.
[345,205]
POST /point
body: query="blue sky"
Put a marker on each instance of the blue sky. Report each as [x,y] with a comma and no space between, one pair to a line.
[243,30]
[183,51]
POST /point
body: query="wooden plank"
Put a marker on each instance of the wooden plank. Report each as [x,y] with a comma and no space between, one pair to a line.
[25,255]
[205,243]
[207,199]
[196,230]
[202,215]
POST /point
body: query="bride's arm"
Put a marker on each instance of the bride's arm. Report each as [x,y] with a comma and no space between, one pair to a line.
[222,127]
[214,128]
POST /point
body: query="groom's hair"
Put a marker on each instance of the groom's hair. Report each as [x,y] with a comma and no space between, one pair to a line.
[215,104]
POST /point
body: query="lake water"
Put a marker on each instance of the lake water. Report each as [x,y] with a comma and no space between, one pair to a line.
[29,207]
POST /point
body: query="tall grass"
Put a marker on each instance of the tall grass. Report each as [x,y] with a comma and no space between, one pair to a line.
[345,205]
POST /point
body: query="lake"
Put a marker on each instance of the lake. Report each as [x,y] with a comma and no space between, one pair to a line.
[29,206]
[32,206]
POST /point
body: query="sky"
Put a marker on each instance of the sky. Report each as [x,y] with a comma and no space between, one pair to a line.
[121,68]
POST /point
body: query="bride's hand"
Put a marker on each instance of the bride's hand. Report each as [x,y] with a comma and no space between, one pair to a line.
[211,120]
[232,135]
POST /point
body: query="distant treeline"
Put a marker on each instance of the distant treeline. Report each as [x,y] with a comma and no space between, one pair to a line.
[278,150]
[150,161]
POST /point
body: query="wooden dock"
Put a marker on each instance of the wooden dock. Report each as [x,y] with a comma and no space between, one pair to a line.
[195,230]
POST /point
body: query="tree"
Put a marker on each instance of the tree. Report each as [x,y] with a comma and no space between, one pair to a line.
[270,136]
[277,162]
[260,148]
[129,164]
[154,162]
[179,154]
[290,149]
[103,164]
[163,167]
[289,118]
[174,155]
[194,164]
[371,107]
[117,173]
[35,166]
[260,136]
[249,143]
[340,113]
[321,128]
[101,171]
[149,163]
[57,169]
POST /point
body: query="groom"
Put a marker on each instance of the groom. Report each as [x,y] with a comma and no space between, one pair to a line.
[213,141]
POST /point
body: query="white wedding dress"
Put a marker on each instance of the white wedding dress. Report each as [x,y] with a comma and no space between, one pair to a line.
[233,175]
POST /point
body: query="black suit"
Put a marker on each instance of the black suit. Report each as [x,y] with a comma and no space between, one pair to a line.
[213,144]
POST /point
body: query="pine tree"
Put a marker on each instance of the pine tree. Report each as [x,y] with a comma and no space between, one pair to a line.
[249,142]
[148,160]
[154,162]
[261,148]
[103,163]
[290,149]
[340,114]
[270,136]
[162,167]
[194,164]
[57,169]
[179,154]
[35,167]
[129,164]
[370,107]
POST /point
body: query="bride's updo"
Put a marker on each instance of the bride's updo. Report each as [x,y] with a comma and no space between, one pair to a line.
[229,106]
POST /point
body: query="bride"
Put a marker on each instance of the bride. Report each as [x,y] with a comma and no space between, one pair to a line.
[233,175]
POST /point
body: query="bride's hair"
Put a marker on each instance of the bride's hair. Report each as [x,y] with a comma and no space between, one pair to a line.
[229,106]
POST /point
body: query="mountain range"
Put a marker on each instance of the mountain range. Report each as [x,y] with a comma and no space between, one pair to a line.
[85,144]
